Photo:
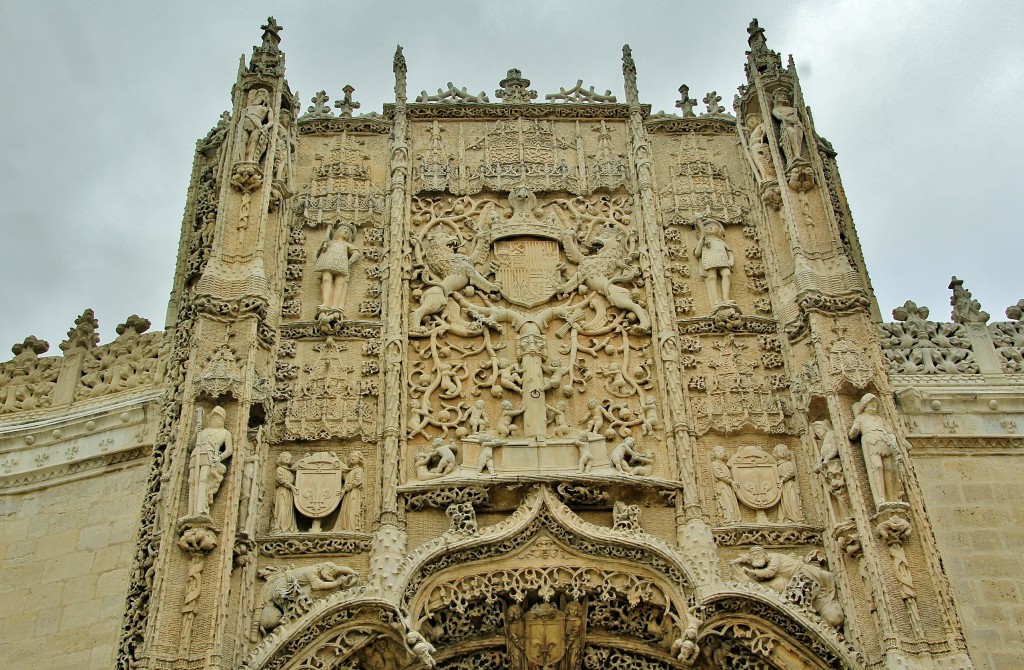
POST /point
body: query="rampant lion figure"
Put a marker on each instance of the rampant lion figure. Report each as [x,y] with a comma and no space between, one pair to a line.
[449,271]
[603,270]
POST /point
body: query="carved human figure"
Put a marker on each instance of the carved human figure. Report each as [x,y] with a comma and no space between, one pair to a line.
[476,419]
[283,148]
[757,137]
[486,459]
[651,421]
[510,376]
[595,417]
[789,502]
[286,589]
[556,418]
[421,649]
[716,261]
[284,496]
[724,493]
[506,427]
[256,119]
[830,467]
[629,461]
[777,572]
[444,455]
[334,261]
[515,633]
[792,130]
[586,455]
[206,464]
[350,517]
[881,451]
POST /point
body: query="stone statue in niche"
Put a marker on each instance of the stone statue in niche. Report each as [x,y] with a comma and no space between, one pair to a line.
[881,450]
[716,261]
[350,518]
[789,502]
[334,262]
[830,467]
[724,493]
[284,496]
[289,593]
[207,463]
[284,148]
[796,578]
[792,135]
[253,135]
[629,461]
[757,138]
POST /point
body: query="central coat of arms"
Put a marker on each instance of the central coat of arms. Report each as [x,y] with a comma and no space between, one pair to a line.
[755,478]
[527,269]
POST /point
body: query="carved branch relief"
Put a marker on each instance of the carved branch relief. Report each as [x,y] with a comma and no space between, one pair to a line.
[915,345]
[520,311]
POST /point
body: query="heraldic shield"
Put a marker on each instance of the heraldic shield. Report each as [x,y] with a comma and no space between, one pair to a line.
[318,485]
[545,635]
[755,478]
[527,268]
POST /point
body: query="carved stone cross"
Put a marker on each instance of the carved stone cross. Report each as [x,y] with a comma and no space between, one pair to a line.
[320,101]
[711,100]
[686,103]
[346,104]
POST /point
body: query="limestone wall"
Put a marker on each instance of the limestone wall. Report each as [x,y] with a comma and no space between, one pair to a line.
[976,503]
[65,555]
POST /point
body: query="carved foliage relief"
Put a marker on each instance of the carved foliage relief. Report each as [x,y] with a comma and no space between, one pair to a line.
[529,338]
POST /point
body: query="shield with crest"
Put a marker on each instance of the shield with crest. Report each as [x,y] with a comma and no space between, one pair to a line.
[527,269]
[318,484]
[755,478]
[545,634]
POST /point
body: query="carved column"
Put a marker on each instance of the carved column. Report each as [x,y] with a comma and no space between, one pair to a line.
[694,534]
[390,538]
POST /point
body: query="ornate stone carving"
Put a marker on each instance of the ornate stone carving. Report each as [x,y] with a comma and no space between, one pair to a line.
[882,454]
[579,94]
[799,581]
[514,88]
[685,103]
[716,261]
[27,381]
[792,140]
[130,361]
[1008,339]
[207,462]
[914,345]
[334,262]
[289,593]
[830,467]
[283,520]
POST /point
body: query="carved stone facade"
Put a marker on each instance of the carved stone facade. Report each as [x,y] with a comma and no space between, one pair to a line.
[546,382]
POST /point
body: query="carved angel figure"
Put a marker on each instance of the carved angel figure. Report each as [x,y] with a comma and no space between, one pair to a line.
[716,261]
[284,496]
[334,261]
[881,451]
[206,464]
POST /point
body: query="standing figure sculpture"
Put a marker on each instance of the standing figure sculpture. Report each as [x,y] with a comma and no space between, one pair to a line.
[830,467]
[253,127]
[716,261]
[284,496]
[206,465]
[724,493]
[792,135]
[351,515]
[789,502]
[881,452]
[334,261]
[757,139]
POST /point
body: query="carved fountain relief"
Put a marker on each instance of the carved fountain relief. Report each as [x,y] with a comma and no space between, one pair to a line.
[529,340]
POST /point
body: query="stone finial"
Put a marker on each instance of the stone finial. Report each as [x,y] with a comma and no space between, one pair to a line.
[965,308]
[711,100]
[134,323]
[629,75]
[400,69]
[83,335]
[1015,312]
[346,105]
[32,344]
[685,102]
[319,106]
[756,38]
[271,33]
[514,88]
[910,312]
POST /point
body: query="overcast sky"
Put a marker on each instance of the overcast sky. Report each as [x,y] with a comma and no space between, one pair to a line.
[103,102]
